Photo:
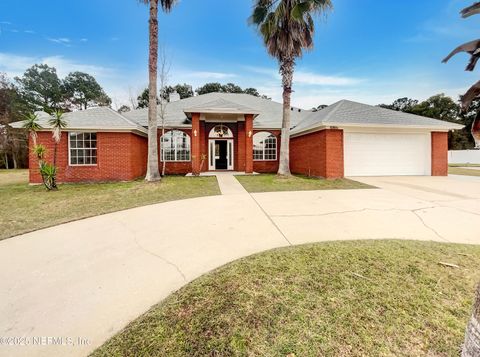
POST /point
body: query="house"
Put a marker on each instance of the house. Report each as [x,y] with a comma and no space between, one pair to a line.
[240,132]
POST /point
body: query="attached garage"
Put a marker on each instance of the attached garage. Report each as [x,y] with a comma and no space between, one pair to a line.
[354,139]
[387,153]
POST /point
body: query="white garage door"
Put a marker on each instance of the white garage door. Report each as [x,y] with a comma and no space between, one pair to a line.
[385,154]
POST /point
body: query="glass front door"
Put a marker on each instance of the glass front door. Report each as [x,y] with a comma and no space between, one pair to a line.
[220,154]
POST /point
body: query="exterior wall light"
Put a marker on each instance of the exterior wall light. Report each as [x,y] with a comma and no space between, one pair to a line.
[250,134]
[195,132]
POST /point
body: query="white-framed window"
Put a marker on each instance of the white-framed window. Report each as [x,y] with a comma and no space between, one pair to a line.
[220,131]
[82,148]
[175,146]
[264,146]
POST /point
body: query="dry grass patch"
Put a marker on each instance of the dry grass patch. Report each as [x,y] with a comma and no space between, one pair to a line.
[462,171]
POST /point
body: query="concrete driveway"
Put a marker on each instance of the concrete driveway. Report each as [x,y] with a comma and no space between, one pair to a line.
[66,289]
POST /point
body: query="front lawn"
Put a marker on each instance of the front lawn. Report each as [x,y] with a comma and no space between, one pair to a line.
[272,183]
[26,208]
[463,172]
[356,298]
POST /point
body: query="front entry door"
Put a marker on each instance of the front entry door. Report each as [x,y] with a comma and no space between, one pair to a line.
[220,155]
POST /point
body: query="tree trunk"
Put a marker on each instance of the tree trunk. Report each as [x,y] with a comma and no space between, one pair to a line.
[286,70]
[14,158]
[6,161]
[471,347]
[153,173]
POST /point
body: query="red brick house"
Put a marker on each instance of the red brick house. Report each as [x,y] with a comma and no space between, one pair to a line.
[239,132]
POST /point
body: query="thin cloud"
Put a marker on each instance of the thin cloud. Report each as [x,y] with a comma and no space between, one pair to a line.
[307,78]
[5,22]
[61,40]
[211,75]
[15,65]
[83,39]
[29,31]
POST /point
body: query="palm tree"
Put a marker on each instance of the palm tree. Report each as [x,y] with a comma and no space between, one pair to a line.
[32,126]
[471,346]
[57,123]
[287,28]
[153,173]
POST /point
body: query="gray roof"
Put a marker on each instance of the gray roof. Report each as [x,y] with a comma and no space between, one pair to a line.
[347,113]
[221,105]
[98,118]
[268,115]
[270,112]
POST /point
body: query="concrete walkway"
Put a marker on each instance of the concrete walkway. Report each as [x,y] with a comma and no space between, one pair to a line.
[87,279]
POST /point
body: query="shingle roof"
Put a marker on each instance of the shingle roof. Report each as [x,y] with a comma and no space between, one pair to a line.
[99,118]
[348,113]
[270,112]
[221,105]
[342,114]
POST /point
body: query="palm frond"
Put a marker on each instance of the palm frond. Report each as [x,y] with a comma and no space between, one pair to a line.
[471,10]
[287,26]
[166,5]
[57,123]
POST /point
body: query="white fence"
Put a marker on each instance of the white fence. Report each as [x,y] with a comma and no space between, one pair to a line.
[464,157]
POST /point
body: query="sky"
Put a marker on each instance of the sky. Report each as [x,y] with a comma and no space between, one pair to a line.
[371,51]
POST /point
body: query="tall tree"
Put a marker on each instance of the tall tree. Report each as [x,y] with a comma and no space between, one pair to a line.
[153,174]
[82,90]
[41,87]
[210,88]
[404,104]
[12,108]
[287,28]
[184,90]
[216,87]
[438,106]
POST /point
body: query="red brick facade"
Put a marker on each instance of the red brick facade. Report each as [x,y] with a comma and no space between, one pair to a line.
[439,154]
[120,157]
[318,154]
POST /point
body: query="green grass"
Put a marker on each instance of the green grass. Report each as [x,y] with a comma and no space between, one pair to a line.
[26,208]
[463,172]
[272,183]
[362,298]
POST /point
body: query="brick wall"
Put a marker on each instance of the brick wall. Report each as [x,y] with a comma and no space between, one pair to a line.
[318,154]
[120,157]
[439,154]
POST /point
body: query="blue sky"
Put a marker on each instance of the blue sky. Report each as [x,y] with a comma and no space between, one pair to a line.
[372,51]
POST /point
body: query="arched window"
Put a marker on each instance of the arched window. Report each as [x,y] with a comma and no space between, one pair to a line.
[221,131]
[264,146]
[175,146]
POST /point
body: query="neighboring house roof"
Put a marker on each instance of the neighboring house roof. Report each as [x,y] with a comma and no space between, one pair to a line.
[98,118]
[346,113]
[269,112]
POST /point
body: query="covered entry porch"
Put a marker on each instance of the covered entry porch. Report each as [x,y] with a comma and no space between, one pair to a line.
[222,137]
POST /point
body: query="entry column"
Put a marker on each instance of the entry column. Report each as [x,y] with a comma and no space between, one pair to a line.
[249,143]
[196,143]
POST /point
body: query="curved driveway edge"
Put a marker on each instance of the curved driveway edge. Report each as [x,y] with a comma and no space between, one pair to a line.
[87,279]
